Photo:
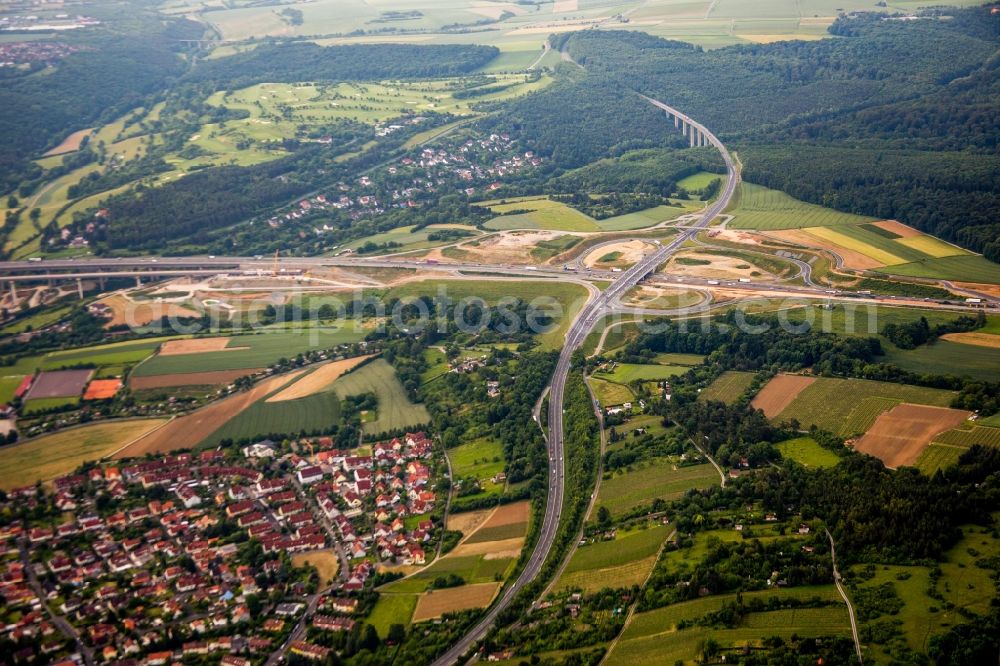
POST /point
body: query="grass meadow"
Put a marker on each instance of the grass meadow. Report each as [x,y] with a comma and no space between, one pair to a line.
[656,478]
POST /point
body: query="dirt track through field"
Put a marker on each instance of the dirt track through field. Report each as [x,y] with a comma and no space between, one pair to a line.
[318,379]
[186,432]
[213,378]
[901,434]
[779,393]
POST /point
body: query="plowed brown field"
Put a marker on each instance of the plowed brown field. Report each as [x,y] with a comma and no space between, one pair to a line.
[901,434]
[779,393]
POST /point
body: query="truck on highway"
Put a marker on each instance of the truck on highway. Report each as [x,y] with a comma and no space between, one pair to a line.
[531,268]
[616,270]
[713,282]
[744,279]
[973,300]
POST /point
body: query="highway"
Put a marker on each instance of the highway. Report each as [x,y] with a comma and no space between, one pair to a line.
[577,333]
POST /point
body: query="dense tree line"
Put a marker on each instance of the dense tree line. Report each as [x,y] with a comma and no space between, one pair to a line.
[307,61]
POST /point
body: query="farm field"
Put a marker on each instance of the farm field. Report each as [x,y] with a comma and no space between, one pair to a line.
[938,456]
[409,238]
[435,603]
[625,373]
[647,218]
[977,339]
[728,387]
[392,609]
[765,209]
[542,213]
[395,410]
[220,377]
[828,403]
[8,386]
[58,384]
[249,351]
[620,562]
[115,353]
[778,393]
[49,456]
[652,637]
[610,393]
[899,436]
[318,380]
[565,299]
[949,358]
[807,452]
[188,431]
[965,268]
[657,478]
[314,413]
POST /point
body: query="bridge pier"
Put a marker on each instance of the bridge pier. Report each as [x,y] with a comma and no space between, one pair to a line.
[691,137]
[79,287]
[138,281]
[13,292]
[677,122]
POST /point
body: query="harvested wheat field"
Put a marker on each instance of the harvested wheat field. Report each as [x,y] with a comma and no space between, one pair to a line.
[213,378]
[436,603]
[318,379]
[468,521]
[852,258]
[779,393]
[990,340]
[131,313]
[901,434]
[187,431]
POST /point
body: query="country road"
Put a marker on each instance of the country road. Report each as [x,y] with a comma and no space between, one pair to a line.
[593,311]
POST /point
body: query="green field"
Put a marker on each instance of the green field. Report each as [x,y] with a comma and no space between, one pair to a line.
[652,479]
[114,354]
[36,321]
[806,451]
[699,181]
[829,403]
[865,413]
[949,358]
[251,351]
[395,410]
[621,562]
[765,209]
[966,268]
[625,373]
[317,412]
[482,459]
[728,387]
[409,238]
[391,609]
[610,393]
[543,213]
[985,436]
[49,456]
